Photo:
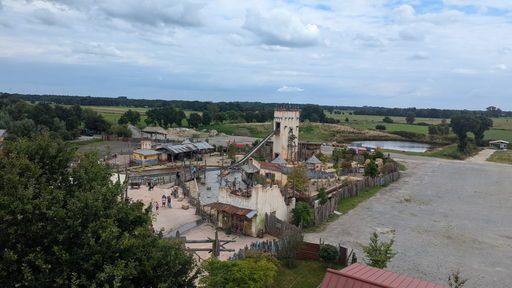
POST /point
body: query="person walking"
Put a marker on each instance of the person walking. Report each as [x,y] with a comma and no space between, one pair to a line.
[164,200]
[169,204]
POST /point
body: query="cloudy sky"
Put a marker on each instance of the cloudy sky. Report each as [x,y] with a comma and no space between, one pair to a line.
[438,53]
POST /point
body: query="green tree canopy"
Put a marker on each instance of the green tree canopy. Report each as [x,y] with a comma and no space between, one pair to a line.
[410,117]
[130,116]
[462,124]
[69,227]
[256,271]
[302,214]
[371,169]
[298,179]
[378,253]
[194,120]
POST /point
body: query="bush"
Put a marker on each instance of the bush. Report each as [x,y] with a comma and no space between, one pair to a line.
[322,196]
[380,127]
[387,120]
[302,214]
[329,253]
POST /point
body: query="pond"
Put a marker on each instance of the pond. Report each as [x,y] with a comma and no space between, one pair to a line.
[394,145]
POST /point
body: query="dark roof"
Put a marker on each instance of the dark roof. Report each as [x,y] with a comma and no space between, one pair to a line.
[313,160]
[229,208]
[278,161]
[180,148]
[270,166]
[362,276]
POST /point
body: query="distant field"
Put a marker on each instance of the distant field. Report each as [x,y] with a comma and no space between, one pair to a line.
[376,119]
[502,127]
[495,134]
[394,127]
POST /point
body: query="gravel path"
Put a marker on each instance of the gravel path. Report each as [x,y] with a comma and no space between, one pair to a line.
[444,215]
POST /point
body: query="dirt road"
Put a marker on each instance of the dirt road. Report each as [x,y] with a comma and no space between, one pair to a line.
[444,215]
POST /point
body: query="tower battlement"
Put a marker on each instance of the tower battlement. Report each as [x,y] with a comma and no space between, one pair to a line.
[286,137]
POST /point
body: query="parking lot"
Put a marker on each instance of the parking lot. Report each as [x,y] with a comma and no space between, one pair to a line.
[444,215]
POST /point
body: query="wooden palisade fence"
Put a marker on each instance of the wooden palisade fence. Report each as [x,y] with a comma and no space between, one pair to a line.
[322,212]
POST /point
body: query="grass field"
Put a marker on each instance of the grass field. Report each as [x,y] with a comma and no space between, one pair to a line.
[502,127]
[307,274]
[501,157]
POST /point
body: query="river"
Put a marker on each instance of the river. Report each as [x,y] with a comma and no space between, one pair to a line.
[394,145]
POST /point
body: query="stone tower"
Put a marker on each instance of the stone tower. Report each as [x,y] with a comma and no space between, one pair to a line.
[286,137]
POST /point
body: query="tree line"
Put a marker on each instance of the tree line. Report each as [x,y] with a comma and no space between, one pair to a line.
[490,111]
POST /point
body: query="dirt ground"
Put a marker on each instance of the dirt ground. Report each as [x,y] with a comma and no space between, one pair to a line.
[444,215]
[166,219]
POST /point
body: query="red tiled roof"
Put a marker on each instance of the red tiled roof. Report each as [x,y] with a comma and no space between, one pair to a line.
[362,276]
[229,208]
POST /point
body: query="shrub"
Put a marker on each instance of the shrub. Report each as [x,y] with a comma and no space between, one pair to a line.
[302,214]
[380,127]
[329,253]
[322,196]
[387,120]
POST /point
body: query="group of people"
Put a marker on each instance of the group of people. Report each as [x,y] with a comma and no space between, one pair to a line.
[167,200]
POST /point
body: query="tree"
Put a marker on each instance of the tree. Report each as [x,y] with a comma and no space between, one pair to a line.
[207,118]
[322,196]
[462,124]
[194,120]
[94,121]
[231,151]
[346,119]
[484,123]
[302,214]
[410,117]
[298,179]
[257,270]
[455,280]
[371,169]
[71,227]
[130,116]
[378,253]
[387,119]
[120,131]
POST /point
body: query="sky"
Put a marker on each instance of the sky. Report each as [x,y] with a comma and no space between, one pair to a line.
[410,53]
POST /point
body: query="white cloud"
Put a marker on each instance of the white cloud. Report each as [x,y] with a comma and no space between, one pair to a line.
[281,28]
[290,89]
[501,67]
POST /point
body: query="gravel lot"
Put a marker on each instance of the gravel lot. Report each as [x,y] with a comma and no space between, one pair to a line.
[444,215]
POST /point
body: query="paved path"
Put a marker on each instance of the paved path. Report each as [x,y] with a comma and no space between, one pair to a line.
[444,215]
[482,156]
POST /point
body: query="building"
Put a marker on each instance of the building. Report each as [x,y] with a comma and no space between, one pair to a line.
[146,144]
[499,144]
[185,150]
[314,163]
[276,172]
[285,141]
[144,157]
[243,210]
[362,276]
